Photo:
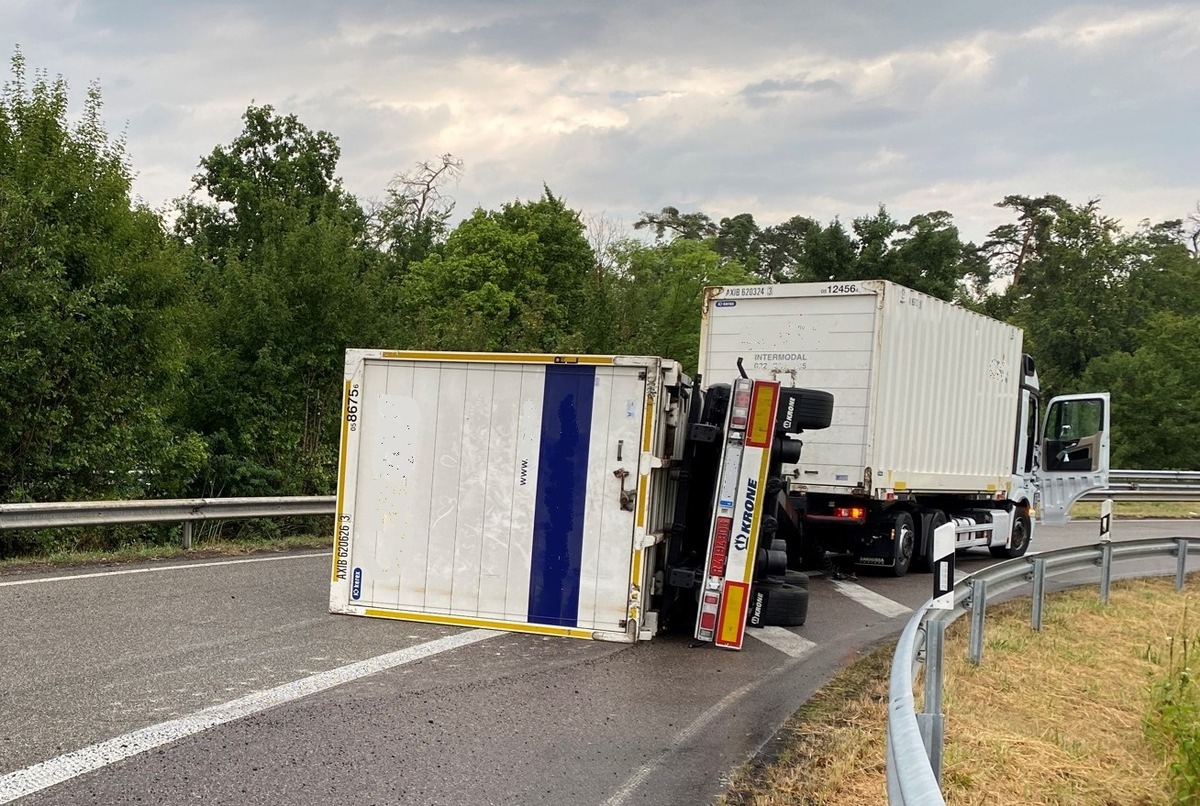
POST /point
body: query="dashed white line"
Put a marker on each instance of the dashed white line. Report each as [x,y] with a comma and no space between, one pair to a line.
[872,600]
[781,638]
[46,774]
[159,568]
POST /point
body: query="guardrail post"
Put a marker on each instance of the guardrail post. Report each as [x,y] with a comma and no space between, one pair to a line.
[1038,597]
[978,611]
[1105,571]
[187,535]
[931,721]
[1181,544]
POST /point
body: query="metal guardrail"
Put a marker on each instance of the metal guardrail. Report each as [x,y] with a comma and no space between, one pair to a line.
[1124,484]
[1150,485]
[185,510]
[914,741]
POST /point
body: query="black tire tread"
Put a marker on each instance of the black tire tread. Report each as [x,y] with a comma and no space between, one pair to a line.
[814,408]
[786,605]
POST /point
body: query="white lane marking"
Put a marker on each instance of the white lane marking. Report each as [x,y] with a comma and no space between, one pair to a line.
[870,599]
[89,759]
[157,569]
[623,794]
[781,638]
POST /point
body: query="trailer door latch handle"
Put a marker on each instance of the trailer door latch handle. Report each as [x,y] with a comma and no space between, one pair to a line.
[627,496]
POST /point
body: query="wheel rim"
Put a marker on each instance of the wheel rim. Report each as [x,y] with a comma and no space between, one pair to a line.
[904,550]
[1020,535]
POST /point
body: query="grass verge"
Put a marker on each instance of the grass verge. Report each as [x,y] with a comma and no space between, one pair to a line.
[1070,715]
[1139,509]
[832,750]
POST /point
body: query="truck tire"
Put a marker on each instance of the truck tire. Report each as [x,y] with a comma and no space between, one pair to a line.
[772,561]
[923,560]
[1019,542]
[778,604]
[809,410]
[798,579]
[904,544]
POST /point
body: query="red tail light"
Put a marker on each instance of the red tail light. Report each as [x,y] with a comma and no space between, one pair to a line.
[709,605]
[739,413]
[851,513]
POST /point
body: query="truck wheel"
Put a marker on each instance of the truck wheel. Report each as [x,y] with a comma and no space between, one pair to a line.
[904,543]
[923,561]
[797,579]
[809,409]
[1019,542]
[778,604]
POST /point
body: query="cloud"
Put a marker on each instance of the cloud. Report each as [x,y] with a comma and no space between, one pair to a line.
[777,108]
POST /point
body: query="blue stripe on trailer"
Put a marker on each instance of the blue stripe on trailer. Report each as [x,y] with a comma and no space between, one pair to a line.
[557,555]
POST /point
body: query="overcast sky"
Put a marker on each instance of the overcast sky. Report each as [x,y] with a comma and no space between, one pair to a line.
[806,107]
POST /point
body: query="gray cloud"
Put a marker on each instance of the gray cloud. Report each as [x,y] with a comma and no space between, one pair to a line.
[776,108]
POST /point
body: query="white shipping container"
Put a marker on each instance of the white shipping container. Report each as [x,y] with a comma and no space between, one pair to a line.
[520,492]
[925,392]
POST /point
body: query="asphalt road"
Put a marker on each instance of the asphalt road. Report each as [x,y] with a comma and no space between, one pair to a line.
[228,682]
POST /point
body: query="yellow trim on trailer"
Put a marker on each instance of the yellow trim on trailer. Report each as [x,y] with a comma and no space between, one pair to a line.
[481,623]
[341,487]
[512,358]
[635,582]
[760,421]
[731,614]
[648,424]
[643,485]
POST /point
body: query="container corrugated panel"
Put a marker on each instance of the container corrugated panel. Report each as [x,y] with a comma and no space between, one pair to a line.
[946,403]
[924,391]
[485,490]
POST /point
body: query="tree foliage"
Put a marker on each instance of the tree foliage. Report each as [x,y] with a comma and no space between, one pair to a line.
[512,280]
[91,294]
[415,217]
[277,252]
[1155,395]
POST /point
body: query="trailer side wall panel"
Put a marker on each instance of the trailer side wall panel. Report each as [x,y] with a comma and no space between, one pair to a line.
[925,392]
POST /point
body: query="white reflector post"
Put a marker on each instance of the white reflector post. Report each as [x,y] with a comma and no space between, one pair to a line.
[1106,520]
[943,567]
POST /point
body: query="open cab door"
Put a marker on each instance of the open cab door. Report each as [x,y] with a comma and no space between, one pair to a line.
[1074,452]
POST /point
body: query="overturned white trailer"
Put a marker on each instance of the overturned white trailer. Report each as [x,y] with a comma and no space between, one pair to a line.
[520,492]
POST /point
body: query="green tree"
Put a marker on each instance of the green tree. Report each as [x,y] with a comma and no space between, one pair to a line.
[930,256]
[830,253]
[1065,263]
[564,256]
[782,250]
[1160,274]
[738,240]
[485,290]
[514,279]
[415,217]
[1155,395]
[277,251]
[91,294]
[693,226]
[658,293]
